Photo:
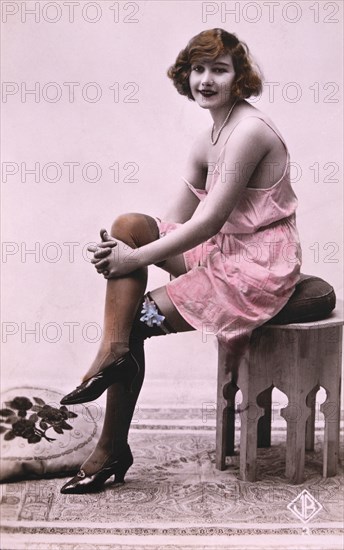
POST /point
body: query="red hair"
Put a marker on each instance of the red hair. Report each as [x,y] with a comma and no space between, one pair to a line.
[208,45]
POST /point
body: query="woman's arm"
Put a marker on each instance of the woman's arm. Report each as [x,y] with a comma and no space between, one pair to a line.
[195,172]
[183,206]
[249,143]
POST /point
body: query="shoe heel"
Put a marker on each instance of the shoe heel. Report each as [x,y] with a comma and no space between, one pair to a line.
[119,475]
[122,469]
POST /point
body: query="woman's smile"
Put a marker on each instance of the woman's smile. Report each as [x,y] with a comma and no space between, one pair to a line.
[207,93]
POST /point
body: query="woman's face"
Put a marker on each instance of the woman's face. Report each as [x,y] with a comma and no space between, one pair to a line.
[211,81]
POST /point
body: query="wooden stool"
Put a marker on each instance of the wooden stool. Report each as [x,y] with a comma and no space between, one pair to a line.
[297,359]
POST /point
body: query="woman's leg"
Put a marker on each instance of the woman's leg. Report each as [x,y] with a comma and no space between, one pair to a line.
[120,405]
[123,330]
[123,295]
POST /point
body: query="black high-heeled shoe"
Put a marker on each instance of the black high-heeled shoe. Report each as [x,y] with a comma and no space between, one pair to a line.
[122,370]
[81,483]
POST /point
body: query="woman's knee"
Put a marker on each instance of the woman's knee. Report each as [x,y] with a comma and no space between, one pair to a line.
[135,229]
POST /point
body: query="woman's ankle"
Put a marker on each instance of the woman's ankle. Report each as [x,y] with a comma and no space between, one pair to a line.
[118,349]
[102,455]
[96,460]
[105,356]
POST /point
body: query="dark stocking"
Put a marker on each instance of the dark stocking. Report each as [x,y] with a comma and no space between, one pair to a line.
[123,295]
[120,405]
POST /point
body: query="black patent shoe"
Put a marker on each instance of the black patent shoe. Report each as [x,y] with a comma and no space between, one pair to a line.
[123,370]
[81,483]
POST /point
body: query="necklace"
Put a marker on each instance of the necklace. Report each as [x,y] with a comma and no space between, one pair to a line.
[214,141]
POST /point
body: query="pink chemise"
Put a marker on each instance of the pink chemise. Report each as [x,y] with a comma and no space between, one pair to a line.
[246,273]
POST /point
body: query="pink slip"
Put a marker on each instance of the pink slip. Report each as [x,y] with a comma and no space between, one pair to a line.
[245,274]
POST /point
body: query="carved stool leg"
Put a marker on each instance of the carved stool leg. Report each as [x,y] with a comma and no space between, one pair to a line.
[225,403]
[256,382]
[330,379]
[232,362]
[248,436]
[221,417]
[296,440]
[300,380]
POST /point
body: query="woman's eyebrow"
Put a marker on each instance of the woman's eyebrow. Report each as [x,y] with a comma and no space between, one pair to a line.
[222,63]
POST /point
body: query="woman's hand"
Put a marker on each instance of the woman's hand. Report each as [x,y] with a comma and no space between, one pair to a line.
[113,258]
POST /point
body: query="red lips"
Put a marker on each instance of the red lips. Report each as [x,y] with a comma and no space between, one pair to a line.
[207,93]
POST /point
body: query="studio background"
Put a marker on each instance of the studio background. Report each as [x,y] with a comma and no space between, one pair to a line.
[130,132]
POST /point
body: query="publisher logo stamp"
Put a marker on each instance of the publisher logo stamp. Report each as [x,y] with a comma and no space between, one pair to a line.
[305,506]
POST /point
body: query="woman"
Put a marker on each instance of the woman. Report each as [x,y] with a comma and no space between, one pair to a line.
[230,243]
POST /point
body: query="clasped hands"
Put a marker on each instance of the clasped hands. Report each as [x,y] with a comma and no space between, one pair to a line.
[113,258]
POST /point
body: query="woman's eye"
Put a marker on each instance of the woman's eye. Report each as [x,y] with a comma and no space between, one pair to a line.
[218,70]
[197,68]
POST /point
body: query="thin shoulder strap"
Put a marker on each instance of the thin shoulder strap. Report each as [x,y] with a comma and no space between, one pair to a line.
[195,190]
[253,116]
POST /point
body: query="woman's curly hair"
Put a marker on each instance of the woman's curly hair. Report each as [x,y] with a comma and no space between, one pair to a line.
[207,45]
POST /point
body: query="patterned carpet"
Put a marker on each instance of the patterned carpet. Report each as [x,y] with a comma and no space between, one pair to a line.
[175,498]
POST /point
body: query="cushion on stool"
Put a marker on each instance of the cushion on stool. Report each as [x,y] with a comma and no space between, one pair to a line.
[312,300]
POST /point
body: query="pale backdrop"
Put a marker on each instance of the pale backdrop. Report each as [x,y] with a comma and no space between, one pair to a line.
[143,121]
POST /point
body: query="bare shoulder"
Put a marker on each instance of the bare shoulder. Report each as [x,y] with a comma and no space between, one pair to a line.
[254,130]
[258,123]
[253,124]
